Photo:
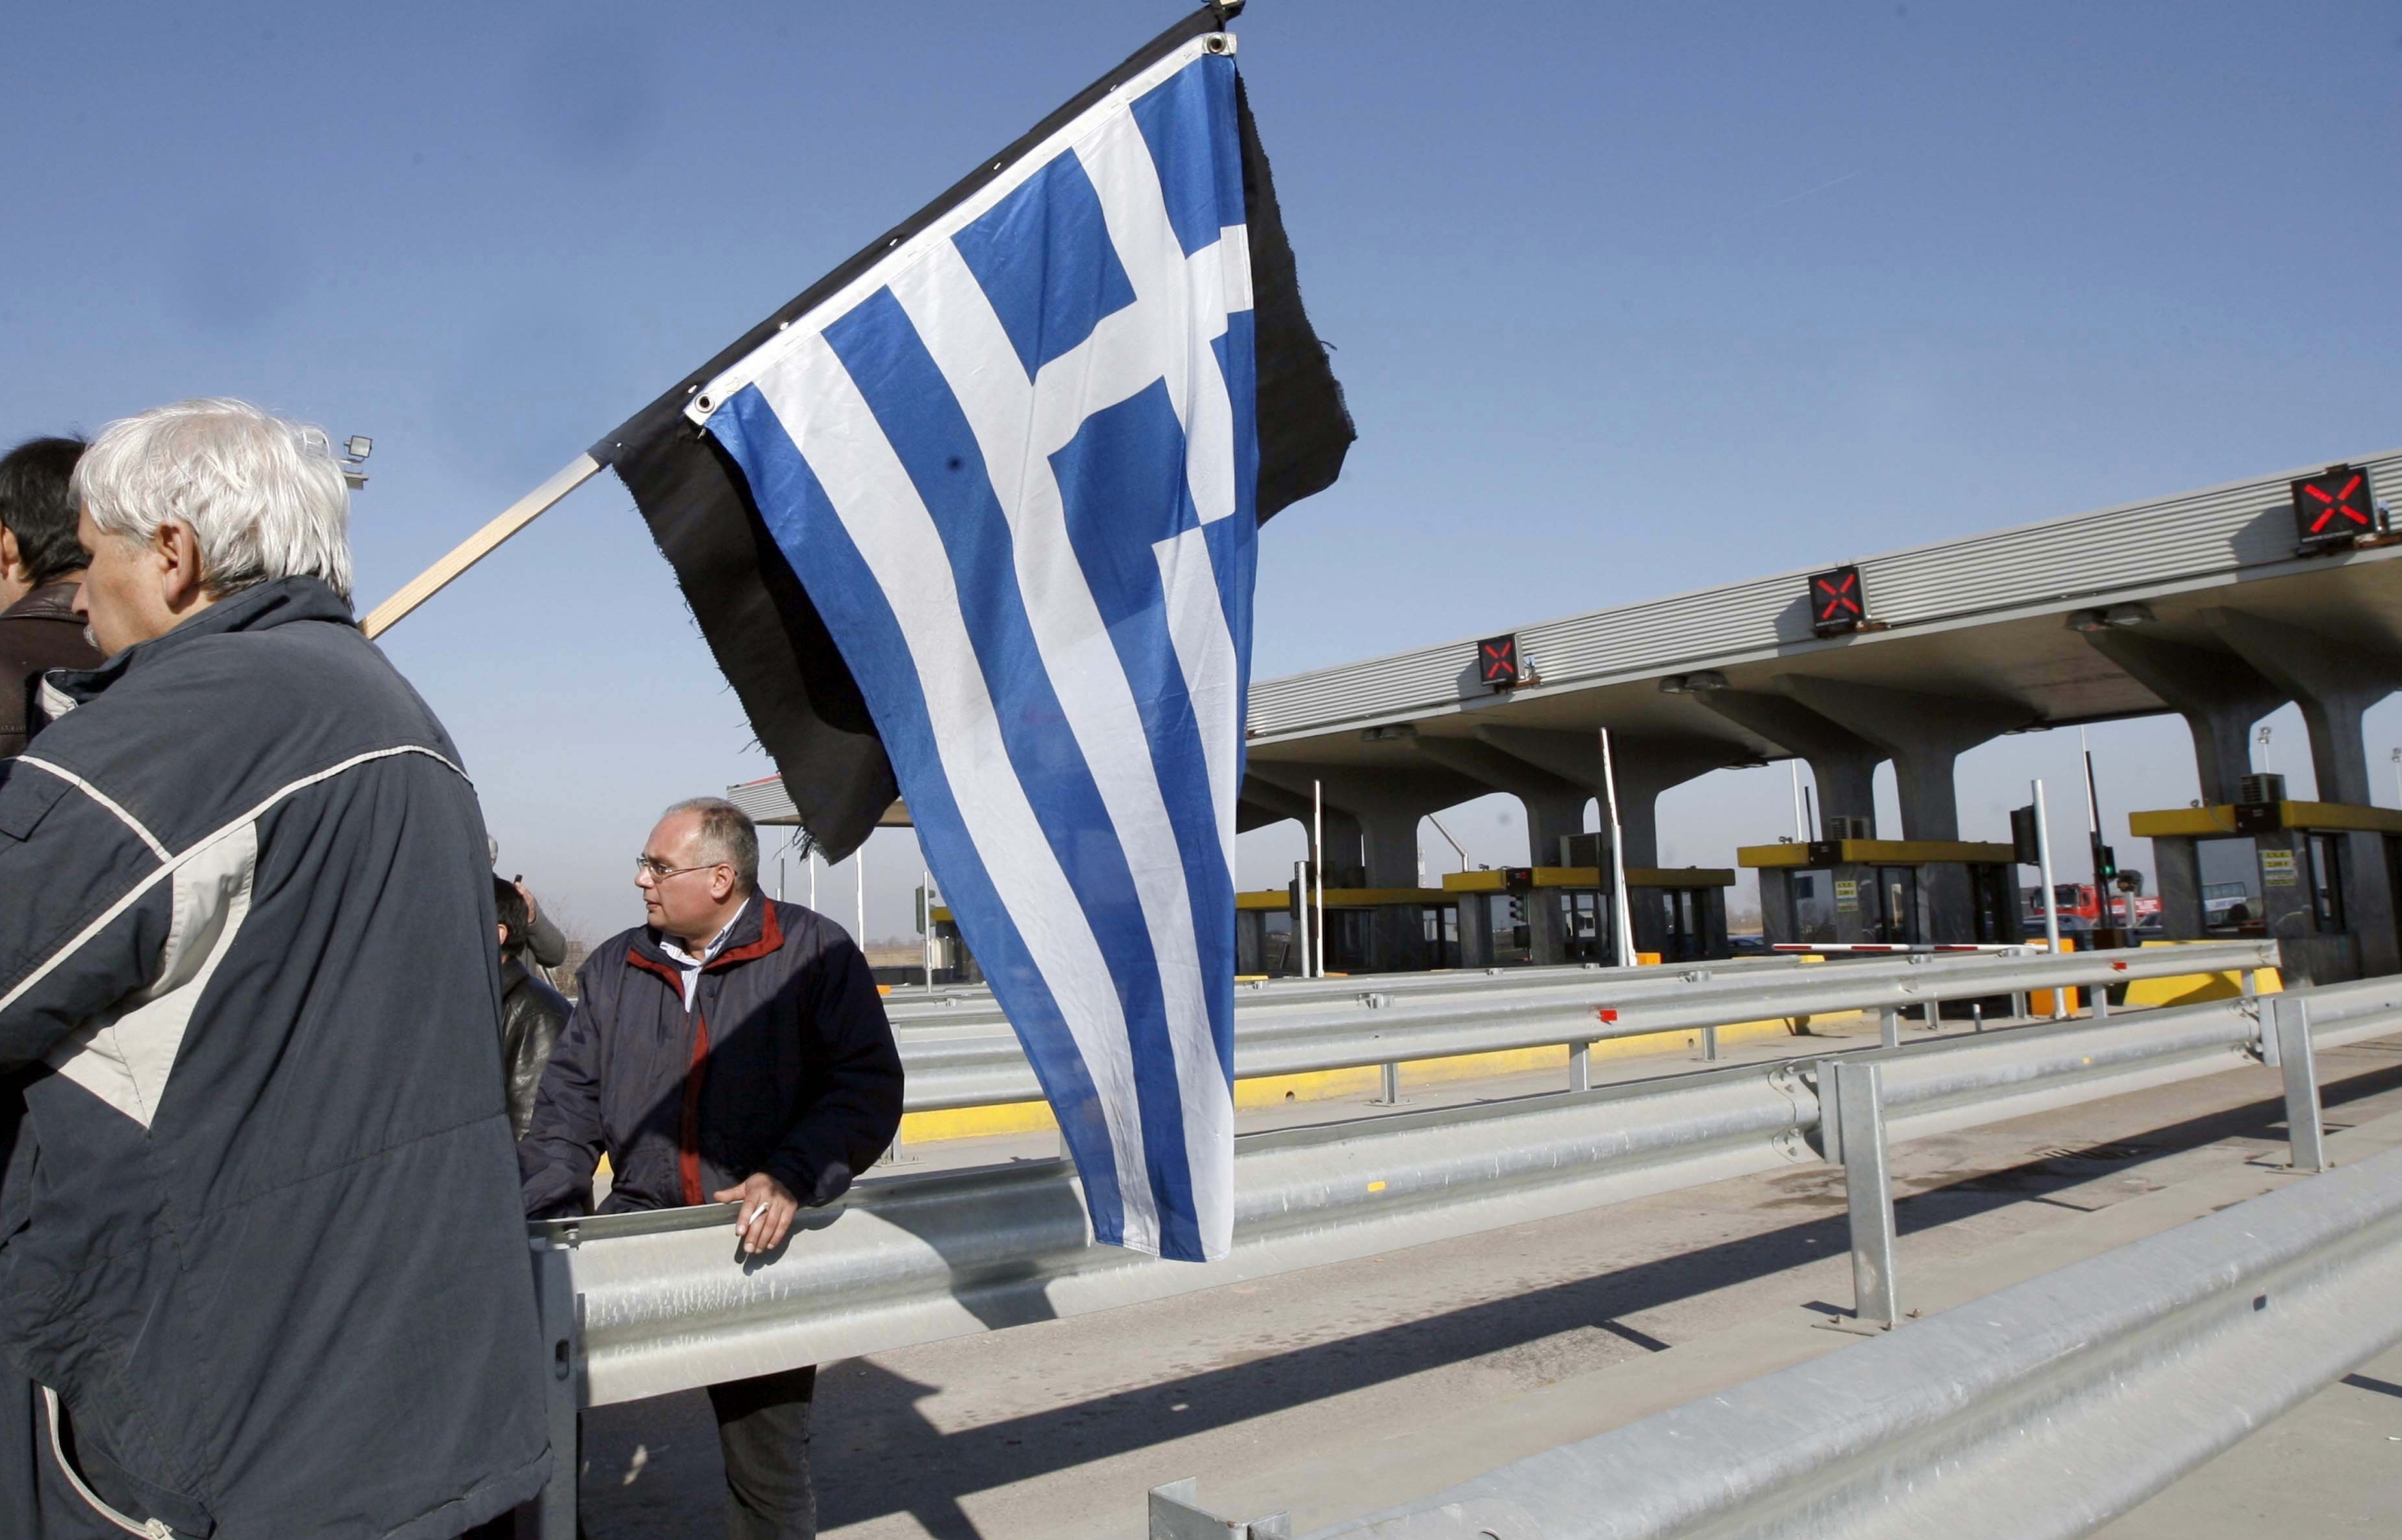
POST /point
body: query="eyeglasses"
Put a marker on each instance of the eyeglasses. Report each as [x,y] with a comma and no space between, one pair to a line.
[660,871]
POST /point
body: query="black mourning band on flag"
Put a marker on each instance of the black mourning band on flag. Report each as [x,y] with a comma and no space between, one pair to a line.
[760,624]
[1304,428]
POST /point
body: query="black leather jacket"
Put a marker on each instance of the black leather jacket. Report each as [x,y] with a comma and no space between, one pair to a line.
[532,1015]
[39,632]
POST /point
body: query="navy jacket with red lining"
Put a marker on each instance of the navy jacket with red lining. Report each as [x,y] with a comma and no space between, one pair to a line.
[785,1064]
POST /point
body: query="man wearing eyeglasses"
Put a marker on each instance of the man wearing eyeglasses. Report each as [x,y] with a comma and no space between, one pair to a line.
[730,1050]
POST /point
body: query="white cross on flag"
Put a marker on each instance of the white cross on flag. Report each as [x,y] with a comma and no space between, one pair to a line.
[1012,466]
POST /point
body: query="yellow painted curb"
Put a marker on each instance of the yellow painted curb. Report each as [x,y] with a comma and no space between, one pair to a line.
[970,1123]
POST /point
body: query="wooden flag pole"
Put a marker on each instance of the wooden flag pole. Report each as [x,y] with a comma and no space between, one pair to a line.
[483,542]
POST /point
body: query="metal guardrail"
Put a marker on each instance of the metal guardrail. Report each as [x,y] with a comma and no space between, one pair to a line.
[1382,1020]
[645,1304]
[2045,1409]
[913,1005]
[667,1303]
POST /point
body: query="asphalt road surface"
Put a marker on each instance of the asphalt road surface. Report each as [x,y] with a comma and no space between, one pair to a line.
[1344,1389]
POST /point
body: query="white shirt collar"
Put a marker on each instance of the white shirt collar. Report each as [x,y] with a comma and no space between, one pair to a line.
[690,966]
[682,959]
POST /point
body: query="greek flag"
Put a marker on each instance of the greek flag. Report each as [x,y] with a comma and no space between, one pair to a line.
[1013,461]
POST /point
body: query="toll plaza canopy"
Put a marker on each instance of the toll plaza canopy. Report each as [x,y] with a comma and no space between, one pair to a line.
[2221,605]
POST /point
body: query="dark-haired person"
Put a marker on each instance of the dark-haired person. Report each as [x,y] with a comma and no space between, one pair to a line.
[531,1012]
[41,566]
[732,1050]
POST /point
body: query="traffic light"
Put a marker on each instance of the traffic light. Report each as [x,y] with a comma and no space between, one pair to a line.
[2027,848]
[2334,508]
[2106,865]
[1496,662]
[1838,603]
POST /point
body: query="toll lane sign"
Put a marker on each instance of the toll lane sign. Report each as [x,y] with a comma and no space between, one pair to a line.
[2277,869]
[1838,603]
[1496,662]
[2334,508]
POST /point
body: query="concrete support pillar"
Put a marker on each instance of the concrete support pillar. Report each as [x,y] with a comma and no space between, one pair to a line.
[1371,841]
[2334,682]
[2286,905]
[1646,765]
[1554,807]
[1551,818]
[1923,735]
[1389,855]
[2176,877]
[2219,695]
[1778,921]
[2371,903]
[1841,762]
[1475,930]
[1288,787]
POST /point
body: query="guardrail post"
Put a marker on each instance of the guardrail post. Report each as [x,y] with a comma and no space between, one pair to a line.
[562,1365]
[2289,1025]
[1889,1025]
[1579,1067]
[1392,1081]
[2021,1007]
[1868,1188]
[1176,1514]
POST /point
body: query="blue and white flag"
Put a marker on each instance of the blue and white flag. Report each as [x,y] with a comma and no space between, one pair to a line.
[1013,461]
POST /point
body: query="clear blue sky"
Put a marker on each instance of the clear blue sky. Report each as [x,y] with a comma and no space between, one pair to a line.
[1578,261]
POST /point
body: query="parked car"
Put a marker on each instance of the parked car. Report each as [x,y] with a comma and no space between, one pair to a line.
[2227,903]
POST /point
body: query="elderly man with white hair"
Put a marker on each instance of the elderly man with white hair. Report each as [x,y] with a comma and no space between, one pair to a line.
[262,1264]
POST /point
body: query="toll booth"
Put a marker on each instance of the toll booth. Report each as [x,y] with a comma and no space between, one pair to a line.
[1265,939]
[1368,930]
[953,962]
[1888,892]
[2328,874]
[1681,912]
[1563,914]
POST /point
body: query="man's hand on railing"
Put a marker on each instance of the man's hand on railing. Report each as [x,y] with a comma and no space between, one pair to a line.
[768,1207]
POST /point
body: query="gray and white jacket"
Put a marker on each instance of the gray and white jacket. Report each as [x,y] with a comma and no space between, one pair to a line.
[260,1244]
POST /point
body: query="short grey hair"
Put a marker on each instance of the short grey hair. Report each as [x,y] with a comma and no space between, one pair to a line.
[728,836]
[263,497]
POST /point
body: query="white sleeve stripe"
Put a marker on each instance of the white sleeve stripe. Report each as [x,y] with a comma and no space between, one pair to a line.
[96,794]
[171,864]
